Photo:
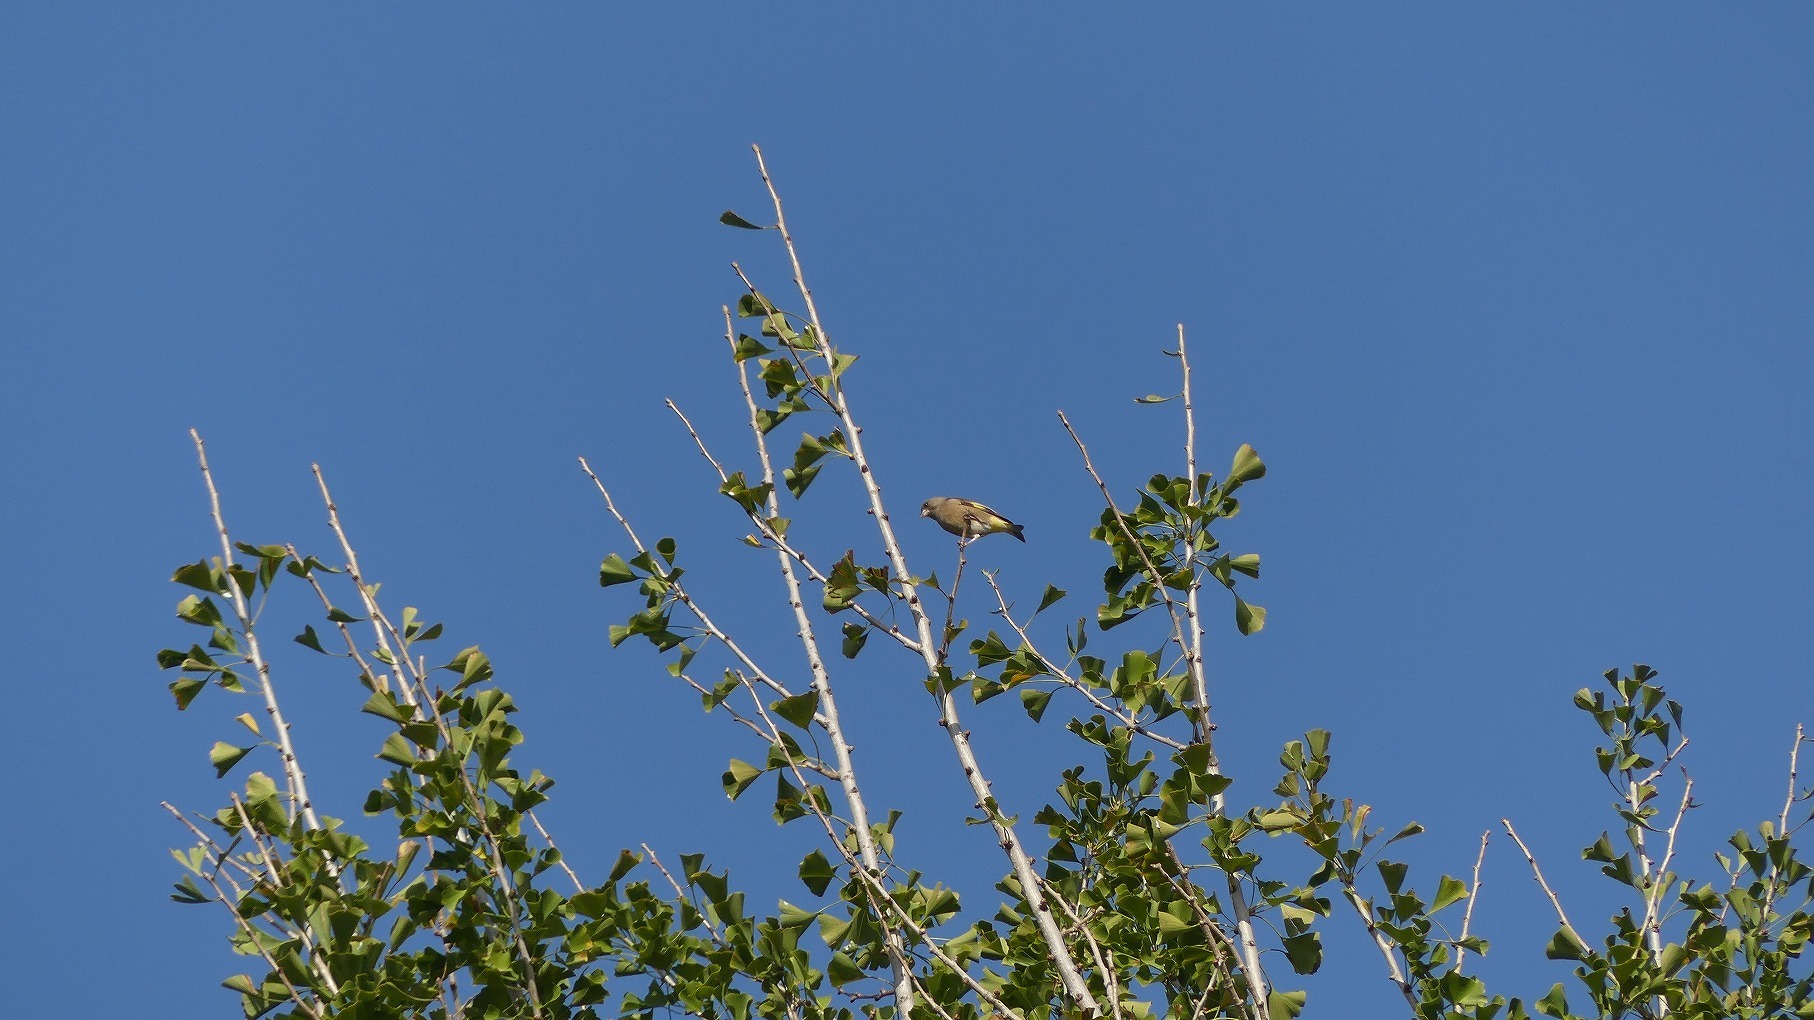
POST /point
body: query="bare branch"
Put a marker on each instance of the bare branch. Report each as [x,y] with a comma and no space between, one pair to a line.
[1659,885]
[1396,972]
[767,532]
[537,822]
[1537,872]
[1008,839]
[1467,916]
[294,777]
[827,712]
[685,598]
[1782,821]
[1199,671]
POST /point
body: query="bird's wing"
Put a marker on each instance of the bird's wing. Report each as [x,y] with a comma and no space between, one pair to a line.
[974,505]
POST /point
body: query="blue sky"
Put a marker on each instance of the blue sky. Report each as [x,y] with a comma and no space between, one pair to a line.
[1514,300]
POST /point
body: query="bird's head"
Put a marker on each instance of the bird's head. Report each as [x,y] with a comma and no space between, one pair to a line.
[926,507]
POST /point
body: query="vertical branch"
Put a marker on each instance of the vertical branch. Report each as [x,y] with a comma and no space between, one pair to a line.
[1074,984]
[957,580]
[1193,652]
[1202,729]
[828,706]
[1243,911]
[1467,916]
[292,766]
[1660,881]
[1782,821]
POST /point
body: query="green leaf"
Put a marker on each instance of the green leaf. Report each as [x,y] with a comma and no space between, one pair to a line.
[731,219]
[1247,563]
[224,756]
[855,636]
[1195,759]
[1393,873]
[1249,618]
[1247,467]
[748,347]
[241,983]
[816,871]
[842,970]
[1051,596]
[1035,700]
[188,892]
[797,479]
[1554,1004]
[798,709]
[385,706]
[185,691]
[1305,951]
[753,304]
[397,751]
[197,575]
[1154,398]
[1414,829]
[309,639]
[198,611]
[614,570]
[626,861]
[1565,947]
[1285,1005]
[738,777]
[1449,890]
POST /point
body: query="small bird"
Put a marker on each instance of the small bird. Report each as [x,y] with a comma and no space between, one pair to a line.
[968,520]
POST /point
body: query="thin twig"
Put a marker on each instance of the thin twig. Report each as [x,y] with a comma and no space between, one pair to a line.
[1178,876]
[1782,821]
[398,663]
[767,531]
[957,580]
[1199,670]
[1660,879]
[537,822]
[681,893]
[1152,569]
[685,598]
[378,680]
[1467,916]
[1537,872]
[1120,715]
[1396,972]
[1111,986]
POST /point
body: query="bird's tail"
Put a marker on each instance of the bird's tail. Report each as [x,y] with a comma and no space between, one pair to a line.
[1017,532]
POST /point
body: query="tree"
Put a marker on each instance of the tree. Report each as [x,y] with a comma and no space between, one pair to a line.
[1139,891]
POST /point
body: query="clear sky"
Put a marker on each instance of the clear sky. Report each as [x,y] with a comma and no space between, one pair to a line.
[1515,300]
